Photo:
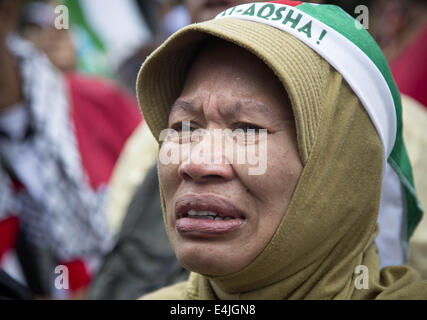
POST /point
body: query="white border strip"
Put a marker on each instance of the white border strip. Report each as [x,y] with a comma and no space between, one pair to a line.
[349,60]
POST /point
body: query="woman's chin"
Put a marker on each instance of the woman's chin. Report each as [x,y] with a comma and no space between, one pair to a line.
[203,260]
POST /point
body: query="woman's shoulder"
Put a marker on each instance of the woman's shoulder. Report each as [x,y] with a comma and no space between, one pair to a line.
[173,292]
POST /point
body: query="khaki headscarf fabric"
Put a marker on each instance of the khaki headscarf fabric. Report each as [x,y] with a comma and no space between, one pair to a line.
[330,225]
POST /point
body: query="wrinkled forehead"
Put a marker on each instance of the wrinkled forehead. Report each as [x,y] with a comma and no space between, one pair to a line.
[222,67]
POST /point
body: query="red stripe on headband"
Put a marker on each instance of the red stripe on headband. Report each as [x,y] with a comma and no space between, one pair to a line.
[288,2]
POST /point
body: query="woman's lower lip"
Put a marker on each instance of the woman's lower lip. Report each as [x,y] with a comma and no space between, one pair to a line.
[207,226]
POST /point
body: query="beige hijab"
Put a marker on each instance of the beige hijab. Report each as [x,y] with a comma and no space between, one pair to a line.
[329,228]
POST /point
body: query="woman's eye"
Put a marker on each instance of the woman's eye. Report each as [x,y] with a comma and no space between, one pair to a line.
[247,126]
[184,126]
[246,133]
[184,132]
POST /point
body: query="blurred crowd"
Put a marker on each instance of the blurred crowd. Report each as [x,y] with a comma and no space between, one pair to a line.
[78,179]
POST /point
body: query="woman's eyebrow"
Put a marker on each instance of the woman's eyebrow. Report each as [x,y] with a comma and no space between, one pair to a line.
[186,106]
[246,105]
[227,110]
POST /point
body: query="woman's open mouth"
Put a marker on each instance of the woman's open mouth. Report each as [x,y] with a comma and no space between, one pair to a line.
[207,215]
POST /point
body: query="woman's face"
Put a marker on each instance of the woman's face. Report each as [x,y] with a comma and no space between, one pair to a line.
[220,214]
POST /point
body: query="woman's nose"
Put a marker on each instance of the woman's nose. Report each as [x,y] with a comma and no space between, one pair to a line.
[206,162]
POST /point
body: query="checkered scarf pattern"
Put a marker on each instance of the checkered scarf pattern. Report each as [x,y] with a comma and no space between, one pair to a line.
[57,208]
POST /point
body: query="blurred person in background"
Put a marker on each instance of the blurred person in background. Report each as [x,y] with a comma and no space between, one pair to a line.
[37,25]
[163,17]
[60,136]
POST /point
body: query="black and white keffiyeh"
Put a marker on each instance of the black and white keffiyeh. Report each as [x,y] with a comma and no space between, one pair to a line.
[58,209]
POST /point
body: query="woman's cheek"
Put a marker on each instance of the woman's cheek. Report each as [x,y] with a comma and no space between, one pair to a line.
[168,178]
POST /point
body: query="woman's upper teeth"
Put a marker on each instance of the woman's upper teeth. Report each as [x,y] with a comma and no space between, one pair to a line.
[207,215]
[202,213]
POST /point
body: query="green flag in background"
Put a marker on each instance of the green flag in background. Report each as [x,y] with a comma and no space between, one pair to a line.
[91,52]
[106,33]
